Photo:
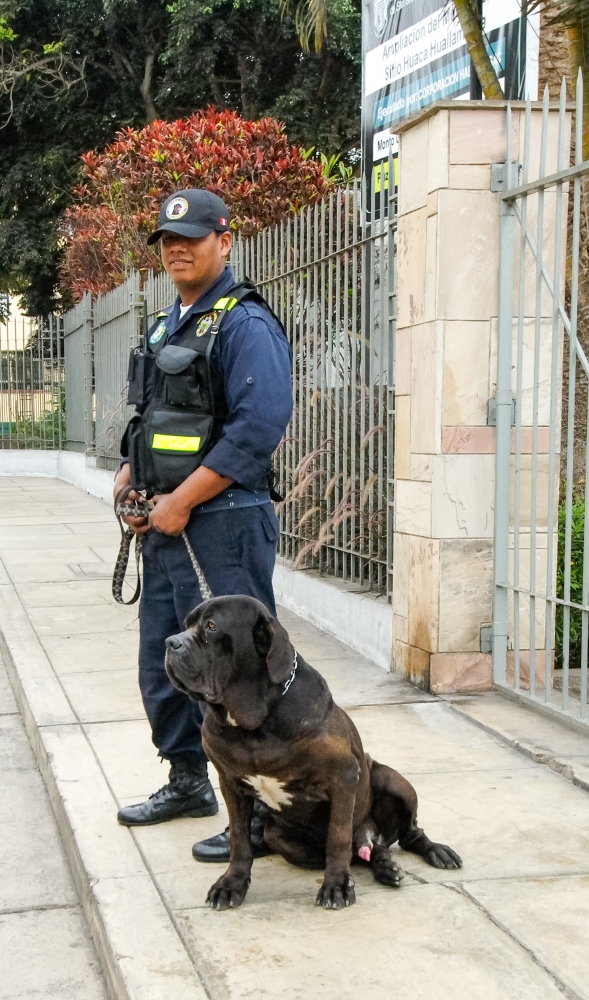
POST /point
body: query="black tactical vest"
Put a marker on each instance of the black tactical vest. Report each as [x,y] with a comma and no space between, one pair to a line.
[179,398]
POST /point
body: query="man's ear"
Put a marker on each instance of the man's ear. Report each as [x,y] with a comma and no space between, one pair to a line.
[271,640]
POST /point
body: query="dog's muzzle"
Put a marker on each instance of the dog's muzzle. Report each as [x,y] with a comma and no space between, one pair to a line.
[180,667]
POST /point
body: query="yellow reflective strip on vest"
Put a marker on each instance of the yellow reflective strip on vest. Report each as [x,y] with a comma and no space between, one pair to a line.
[232,302]
[175,442]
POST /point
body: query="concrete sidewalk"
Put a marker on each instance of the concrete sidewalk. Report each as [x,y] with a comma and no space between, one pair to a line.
[45,948]
[512,924]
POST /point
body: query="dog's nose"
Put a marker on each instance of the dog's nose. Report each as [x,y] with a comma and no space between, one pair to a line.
[174,642]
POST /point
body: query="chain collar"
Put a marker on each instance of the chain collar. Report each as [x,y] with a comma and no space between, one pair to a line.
[292,676]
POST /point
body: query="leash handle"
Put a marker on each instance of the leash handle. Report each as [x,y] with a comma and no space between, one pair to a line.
[121,564]
[141,508]
[125,509]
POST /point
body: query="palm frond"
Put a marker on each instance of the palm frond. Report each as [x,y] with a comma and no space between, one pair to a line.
[310,21]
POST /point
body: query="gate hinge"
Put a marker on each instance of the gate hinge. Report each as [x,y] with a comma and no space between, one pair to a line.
[499,176]
[492,412]
[486,639]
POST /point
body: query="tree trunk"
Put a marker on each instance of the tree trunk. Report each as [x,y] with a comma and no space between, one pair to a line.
[578,57]
[150,108]
[248,77]
[473,36]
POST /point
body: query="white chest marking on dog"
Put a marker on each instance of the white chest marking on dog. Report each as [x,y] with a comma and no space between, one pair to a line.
[270,791]
[231,720]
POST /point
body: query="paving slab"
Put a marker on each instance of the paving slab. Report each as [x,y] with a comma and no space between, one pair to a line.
[83,620]
[33,870]
[71,594]
[104,695]
[521,827]
[417,943]
[48,953]
[68,653]
[548,916]
[8,704]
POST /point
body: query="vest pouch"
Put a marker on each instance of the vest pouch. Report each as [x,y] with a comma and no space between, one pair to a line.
[181,383]
[140,376]
[140,461]
[177,442]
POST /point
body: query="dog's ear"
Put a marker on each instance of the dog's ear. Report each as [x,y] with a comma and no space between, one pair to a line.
[271,640]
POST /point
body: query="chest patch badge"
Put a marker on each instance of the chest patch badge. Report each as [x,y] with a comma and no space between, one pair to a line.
[204,325]
[158,333]
[270,791]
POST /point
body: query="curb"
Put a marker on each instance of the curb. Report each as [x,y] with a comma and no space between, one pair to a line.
[574,770]
[141,953]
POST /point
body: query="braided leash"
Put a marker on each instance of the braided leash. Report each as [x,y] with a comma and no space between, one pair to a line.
[142,508]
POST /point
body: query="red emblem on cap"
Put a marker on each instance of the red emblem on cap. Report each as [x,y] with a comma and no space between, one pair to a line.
[224,222]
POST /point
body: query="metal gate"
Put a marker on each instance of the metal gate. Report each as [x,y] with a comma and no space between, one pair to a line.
[541,592]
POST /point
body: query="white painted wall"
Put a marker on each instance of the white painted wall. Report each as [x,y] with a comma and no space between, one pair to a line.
[361,620]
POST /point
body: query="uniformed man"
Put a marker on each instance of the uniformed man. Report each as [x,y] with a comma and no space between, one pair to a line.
[213,392]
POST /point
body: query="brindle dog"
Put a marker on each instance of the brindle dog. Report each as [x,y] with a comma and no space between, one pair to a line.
[290,746]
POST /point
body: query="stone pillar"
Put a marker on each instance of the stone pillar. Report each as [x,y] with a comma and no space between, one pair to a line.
[448,241]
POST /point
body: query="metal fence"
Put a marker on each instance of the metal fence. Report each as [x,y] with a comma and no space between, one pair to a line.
[32,393]
[329,276]
[117,326]
[79,387]
[541,598]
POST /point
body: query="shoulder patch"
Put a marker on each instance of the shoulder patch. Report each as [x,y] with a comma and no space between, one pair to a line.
[158,333]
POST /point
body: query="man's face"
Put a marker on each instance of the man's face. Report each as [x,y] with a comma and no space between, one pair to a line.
[194,262]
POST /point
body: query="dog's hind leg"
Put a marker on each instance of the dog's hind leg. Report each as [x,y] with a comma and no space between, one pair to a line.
[394,812]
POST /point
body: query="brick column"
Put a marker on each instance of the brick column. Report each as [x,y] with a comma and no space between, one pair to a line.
[448,241]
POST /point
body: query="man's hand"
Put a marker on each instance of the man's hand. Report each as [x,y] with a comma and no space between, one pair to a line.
[170,514]
[137,524]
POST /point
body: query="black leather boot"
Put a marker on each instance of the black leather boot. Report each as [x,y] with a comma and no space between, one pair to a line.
[189,793]
[216,849]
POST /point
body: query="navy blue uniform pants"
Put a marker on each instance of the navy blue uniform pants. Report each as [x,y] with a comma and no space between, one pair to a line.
[236,550]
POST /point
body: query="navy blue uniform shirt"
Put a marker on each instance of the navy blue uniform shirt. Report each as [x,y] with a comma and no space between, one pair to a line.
[253,356]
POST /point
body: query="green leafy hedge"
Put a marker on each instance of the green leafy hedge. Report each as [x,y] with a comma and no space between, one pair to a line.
[576,595]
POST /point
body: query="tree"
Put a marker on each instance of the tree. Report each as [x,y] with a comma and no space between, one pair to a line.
[137,60]
[249,164]
[573,16]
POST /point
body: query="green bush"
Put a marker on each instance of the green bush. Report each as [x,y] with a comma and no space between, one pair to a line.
[47,431]
[576,594]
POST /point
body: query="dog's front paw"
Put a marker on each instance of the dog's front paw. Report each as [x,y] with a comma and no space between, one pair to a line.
[336,893]
[441,856]
[228,892]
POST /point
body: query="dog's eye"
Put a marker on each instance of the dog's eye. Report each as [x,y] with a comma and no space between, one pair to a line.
[211,626]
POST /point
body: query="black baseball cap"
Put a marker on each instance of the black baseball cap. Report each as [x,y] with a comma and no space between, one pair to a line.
[193,213]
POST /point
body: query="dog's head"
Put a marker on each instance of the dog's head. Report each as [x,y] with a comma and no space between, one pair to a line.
[233,653]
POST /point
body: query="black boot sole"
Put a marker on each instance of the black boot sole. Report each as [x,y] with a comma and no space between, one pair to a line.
[190,813]
[262,853]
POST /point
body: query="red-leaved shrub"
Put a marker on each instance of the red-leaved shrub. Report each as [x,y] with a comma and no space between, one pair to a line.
[249,164]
